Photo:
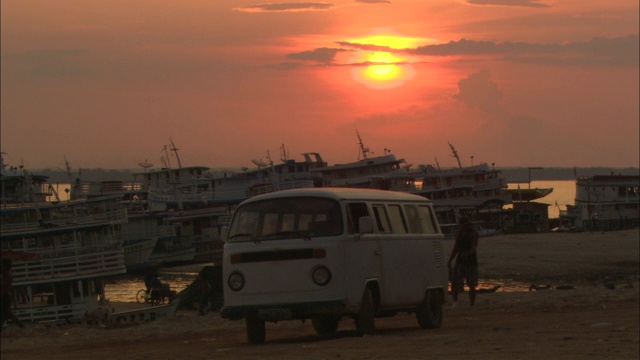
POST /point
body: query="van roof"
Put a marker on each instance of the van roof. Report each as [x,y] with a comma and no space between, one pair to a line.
[342,194]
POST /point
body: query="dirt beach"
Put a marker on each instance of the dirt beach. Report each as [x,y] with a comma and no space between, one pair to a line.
[597,317]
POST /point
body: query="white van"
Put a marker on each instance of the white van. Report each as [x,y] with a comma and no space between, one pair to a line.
[326,253]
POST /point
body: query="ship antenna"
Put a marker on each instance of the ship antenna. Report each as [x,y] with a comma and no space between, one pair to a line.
[364,150]
[166,163]
[284,155]
[175,151]
[455,154]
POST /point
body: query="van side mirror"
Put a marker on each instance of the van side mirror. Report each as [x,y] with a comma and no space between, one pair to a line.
[365,225]
[224,234]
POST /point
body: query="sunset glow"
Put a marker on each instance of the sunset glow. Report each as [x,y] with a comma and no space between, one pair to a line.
[229,81]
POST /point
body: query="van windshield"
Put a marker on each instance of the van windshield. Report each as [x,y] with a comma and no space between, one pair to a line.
[286,218]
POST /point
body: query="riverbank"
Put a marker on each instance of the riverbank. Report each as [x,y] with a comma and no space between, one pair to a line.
[596,315]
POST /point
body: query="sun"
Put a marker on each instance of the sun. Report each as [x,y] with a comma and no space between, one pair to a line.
[383,70]
[388,65]
[378,67]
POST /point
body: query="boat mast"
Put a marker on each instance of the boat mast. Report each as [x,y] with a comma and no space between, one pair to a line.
[364,150]
[283,157]
[175,151]
[455,155]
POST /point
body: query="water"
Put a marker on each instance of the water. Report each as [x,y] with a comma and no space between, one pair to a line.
[563,194]
[125,287]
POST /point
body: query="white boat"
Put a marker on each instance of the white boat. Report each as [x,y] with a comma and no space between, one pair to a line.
[195,187]
[198,205]
[70,245]
[141,234]
[143,229]
[360,173]
[474,191]
[605,202]
[202,228]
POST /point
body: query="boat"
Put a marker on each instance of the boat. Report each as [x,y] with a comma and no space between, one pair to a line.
[64,248]
[476,191]
[359,173]
[604,202]
[146,314]
[142,230]
[22,187]
[196,187]
[528,194]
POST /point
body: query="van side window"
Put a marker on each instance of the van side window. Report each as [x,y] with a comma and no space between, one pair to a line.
[354,212]
[395,214]
[381,218]
[415,226]
[426,218]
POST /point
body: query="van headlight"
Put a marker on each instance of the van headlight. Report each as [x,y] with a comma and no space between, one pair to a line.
[236,281]
[321,275]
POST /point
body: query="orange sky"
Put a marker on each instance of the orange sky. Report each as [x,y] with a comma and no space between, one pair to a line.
[106,84]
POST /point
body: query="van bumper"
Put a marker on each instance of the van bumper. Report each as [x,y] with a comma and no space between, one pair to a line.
[275,312]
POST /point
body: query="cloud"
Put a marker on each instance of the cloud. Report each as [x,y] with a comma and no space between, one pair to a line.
[621,51]
[286,7]
[368,47]
[521,3]
[323,55]
[479,91]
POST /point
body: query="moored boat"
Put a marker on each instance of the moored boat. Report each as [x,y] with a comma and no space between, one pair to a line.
[605,202]
[477,191]
[360,173]
[72,246]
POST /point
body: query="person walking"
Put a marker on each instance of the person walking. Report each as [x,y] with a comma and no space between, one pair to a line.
[466,265]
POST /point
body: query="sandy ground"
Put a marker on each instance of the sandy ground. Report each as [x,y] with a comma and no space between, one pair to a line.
[598,318]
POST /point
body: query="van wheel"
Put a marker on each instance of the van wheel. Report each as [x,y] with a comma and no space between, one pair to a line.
[365,319]
[429,313]
[325,324]
[255,329]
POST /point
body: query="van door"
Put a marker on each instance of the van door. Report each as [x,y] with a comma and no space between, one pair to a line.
[362,253]
[405,258]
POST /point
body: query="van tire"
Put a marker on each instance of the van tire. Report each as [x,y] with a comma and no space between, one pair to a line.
[325,324]
[365,319]
[429,313]
[256,332]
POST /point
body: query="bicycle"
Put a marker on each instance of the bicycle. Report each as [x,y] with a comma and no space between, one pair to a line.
[143,296]
[164,293]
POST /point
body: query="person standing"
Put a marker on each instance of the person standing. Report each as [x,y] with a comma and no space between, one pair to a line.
[205,294]
[466,265]
[7,297]
[100,290]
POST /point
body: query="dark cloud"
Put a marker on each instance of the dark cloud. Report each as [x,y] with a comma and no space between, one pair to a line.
[520,3]
[358,46]
[479,91]
[286,7]
[622,51]
[322,55]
